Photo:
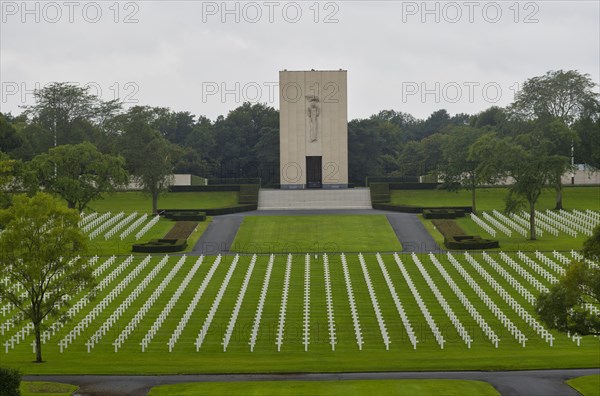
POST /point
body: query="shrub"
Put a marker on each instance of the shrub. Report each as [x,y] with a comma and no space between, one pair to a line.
[161,246]
[380,192]
[10,380]
[456,239]
[248,194]
[443,213]
[185,215]
[459,210]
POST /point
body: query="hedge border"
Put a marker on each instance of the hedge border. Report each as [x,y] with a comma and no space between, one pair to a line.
[160,246]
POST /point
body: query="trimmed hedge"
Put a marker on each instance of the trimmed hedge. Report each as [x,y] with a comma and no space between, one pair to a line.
[238,180]
[214,211]
[184,215]
[414,186]
[161,246]
[443,213]
[455,238]
[10,380]
[209,188]
[248,194]
[420,209]
[391,179]
[380,192]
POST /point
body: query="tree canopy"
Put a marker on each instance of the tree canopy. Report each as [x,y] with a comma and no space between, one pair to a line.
[42,247]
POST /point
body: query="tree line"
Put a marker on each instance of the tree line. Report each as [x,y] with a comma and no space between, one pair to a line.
[531,141]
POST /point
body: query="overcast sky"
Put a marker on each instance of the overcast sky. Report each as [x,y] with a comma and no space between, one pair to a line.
[209,57]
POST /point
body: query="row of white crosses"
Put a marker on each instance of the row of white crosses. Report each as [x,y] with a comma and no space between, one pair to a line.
[97,310]
[509,278]
[215,305]
[133,226]
[399,307]
[580,220]
[518,308]
[486,227]
[133,323]
[561,218]
[537,268]
[559,269]
[172,301]
[432,325]
[147,227]
[329,302]
[524,273]
[86,218]
[352,302]
[505,230]
[261,304]
[506,322]
[192,306]
[539,222]
[580,257]
[116,314]
[553,219]
[97,231]
[82,302]
[283,307]
[382,328]
[511,223]
[95,221]
[464,334]
[238,304]
[306,310]
[485,327]
[564,260]
[525,223]
[120,225]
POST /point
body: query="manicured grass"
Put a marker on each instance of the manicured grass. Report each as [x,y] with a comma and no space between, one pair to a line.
[346,388]
[493,198]
[30,388]
[547,242]
[138,201]
[326,233]
[588,385]
[347,357]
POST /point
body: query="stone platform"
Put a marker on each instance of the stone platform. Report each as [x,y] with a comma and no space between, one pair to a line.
[351,198]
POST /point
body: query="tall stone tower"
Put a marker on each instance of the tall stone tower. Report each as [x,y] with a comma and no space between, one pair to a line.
[313,129]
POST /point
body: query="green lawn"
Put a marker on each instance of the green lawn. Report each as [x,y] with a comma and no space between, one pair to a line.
[493,198]
[325,233]
[238,358]
[33,388]
[588,385]
[316,388]
[141,202]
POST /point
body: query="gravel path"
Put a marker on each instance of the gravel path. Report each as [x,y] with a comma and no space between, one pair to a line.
[508,383]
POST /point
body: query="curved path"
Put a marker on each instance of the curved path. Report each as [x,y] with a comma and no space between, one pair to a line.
[219,235]
[508,383]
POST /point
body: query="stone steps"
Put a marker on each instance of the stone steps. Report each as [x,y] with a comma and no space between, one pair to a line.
[352,198]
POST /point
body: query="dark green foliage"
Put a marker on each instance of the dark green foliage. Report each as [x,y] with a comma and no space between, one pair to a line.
[181,230]
[215,211]
[443,213]
[419,209]
[248,194]
[391,179]
[185,215]
[10,380]
[236,181]
[456,239]
[161,246]
[380,192]
[209,188]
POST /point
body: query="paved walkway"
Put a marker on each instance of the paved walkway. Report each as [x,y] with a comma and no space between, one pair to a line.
[508,383]
[219,235]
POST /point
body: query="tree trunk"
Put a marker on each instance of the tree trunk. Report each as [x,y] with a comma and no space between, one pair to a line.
[38,343]
[559,204]
[532,221]
[155,202]
[71,204]
[473,194]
